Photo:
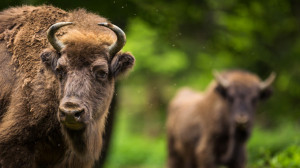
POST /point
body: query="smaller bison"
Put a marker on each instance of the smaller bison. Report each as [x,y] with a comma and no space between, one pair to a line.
[209,129]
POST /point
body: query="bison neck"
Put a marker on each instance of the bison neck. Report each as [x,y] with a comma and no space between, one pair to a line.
[85,144]
[77,140]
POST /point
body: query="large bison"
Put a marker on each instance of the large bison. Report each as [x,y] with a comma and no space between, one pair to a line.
[57,75]
[210,129]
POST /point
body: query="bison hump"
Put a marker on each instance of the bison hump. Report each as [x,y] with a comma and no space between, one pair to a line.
[24,31]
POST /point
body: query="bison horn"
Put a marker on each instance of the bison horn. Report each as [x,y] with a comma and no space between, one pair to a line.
[220,79]
[57,45]
[265,84]
[121,38]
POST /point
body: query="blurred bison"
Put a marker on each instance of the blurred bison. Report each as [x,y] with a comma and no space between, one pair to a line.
[56,90]
[211,128]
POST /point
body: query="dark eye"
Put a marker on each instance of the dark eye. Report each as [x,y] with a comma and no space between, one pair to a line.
[59,71]
[254,100]
[230,99]
[100,74]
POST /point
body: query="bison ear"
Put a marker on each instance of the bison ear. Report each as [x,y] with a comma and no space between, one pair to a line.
[265,86]
[266,93]
[49,58]
[221,90]
[121,63]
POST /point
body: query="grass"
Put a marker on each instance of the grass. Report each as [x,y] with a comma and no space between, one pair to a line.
[132,150]
[274,148]
[267,145]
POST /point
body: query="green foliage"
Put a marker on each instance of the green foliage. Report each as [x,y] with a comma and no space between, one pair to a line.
[289,158]
[179,43]
[267,144]
[156,58]
[135,150]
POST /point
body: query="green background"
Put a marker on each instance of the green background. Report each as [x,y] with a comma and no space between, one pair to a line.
[179,43]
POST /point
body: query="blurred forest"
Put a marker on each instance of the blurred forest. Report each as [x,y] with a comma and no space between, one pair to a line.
[179,43]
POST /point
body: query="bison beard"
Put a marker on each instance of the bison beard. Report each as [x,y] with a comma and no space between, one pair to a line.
[55,92]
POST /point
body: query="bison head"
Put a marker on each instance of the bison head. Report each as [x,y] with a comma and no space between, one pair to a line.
[241,91]
[85,68]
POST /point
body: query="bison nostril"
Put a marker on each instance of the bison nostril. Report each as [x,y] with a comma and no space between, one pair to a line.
[62,112]
[77,114]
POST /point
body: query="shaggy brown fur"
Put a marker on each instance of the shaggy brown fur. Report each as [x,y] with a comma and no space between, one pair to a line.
[205,130]
[35,80]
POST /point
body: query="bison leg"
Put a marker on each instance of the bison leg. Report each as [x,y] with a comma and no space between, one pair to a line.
[205,159]
[174,158]
[189,161]
[204,154]
[239,157]
[16,156]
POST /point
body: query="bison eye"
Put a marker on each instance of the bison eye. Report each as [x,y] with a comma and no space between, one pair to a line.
[254,100]
[230,99]
[100,74]
[60,71]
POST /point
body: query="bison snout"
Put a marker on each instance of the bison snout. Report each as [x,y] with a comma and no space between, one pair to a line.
[72,116]
[241,119]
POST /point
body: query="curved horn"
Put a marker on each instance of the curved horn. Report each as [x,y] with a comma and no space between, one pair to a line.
[222,81]
[57,45]
[121,38]
[265,84]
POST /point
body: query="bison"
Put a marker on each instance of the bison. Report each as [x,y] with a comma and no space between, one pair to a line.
[57,76]
[208,129]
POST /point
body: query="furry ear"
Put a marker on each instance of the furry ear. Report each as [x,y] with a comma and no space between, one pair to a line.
[221,90]
[49,58]
[266,93]
[121,63]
